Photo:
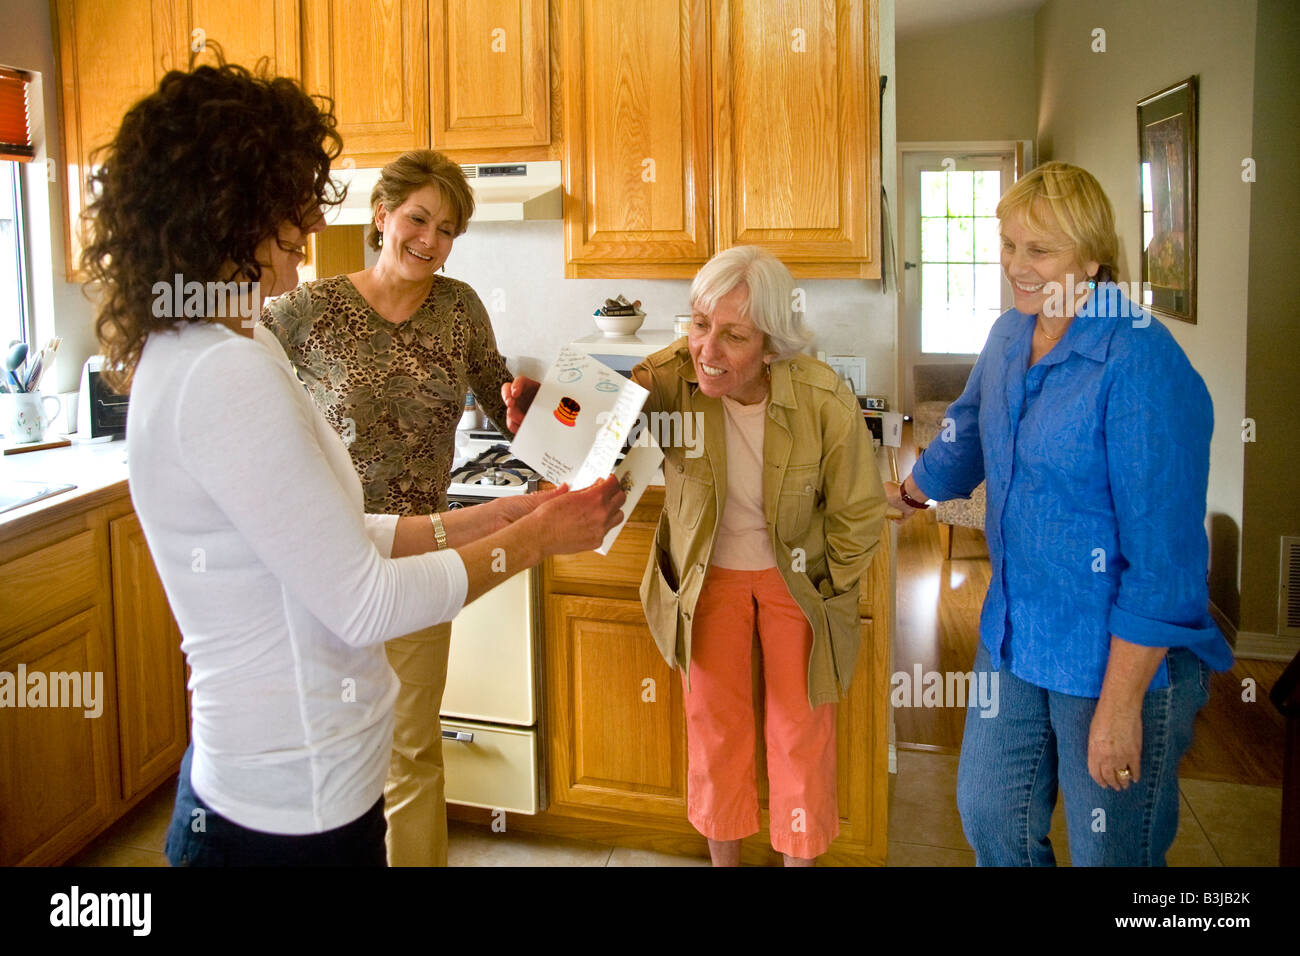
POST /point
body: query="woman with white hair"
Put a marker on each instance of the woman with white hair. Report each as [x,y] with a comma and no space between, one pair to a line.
[766,532]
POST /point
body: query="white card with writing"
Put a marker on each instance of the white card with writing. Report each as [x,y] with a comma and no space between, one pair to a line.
[637,469]
[578,421]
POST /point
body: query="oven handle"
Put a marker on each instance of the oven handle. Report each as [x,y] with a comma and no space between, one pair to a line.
[462,736]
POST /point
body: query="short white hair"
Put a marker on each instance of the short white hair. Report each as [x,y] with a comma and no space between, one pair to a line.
[770,303]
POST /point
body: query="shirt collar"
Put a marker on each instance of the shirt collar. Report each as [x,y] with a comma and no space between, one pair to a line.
[1094,325]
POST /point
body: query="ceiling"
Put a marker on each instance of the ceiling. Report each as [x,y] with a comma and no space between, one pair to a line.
[919,16]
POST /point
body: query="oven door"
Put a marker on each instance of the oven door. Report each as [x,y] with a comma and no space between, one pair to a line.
[490,672]
[491,742]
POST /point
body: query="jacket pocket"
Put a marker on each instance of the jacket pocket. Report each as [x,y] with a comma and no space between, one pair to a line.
[843,628]
[794,510]
[659,598]
[692,497]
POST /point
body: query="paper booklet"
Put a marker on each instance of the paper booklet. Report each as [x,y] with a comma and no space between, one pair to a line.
[577,424]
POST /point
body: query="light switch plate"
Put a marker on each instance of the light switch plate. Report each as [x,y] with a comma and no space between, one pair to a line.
[853,368]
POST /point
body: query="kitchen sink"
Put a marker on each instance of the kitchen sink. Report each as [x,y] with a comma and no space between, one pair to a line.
[15,494]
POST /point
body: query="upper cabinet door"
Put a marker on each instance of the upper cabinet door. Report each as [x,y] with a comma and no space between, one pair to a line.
[796,143]
[489,73]
[372,60]
[636,127]
[110,55]
[246,31]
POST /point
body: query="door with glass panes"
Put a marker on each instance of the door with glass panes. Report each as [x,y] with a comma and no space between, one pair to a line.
[953,288]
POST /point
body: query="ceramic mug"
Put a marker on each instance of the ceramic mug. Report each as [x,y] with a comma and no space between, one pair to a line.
[23,415]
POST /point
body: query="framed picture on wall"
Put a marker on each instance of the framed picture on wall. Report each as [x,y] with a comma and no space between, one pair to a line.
[1167,177]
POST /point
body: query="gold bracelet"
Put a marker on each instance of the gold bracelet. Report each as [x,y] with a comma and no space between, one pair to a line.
[439,532]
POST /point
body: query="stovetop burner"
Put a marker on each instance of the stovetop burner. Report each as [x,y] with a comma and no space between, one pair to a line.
[493,473]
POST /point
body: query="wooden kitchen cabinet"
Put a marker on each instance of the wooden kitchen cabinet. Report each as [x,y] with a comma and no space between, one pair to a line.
[154,716]
[372,61]
[636,119]
[489,73]
[79,593]
[796,137]
[246,30]
[615,726]
[113,52]
[110,55]
[615,718]
[471,78]
[694,126]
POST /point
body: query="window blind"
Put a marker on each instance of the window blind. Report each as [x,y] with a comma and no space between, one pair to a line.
[15,131]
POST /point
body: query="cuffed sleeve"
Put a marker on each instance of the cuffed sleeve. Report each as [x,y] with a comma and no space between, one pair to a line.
[1158,422]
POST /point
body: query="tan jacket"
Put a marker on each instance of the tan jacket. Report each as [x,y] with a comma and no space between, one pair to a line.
[821,495]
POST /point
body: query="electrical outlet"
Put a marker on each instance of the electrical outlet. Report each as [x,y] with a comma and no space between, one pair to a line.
[853,368]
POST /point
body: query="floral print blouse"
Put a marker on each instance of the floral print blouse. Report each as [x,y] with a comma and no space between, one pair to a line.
[395,393]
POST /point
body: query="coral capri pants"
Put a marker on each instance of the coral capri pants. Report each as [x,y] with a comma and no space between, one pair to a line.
[722,794]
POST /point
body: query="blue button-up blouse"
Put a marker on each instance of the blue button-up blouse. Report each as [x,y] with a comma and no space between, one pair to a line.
[1096,461]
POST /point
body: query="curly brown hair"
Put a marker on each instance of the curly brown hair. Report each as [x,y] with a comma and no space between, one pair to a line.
[200,173]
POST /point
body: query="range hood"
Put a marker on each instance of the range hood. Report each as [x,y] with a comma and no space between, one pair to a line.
[503,192]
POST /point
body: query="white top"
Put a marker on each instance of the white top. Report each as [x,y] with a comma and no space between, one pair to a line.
[743,543]
[283,589]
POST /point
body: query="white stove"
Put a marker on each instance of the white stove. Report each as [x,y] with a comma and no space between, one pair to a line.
[491,706]
[491,473]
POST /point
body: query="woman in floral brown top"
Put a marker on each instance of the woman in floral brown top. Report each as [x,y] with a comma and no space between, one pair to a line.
[388,354]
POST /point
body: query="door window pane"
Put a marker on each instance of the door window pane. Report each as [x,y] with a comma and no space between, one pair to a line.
[960,193]
[961,274]
[934,240]
[934,194]
[961,244]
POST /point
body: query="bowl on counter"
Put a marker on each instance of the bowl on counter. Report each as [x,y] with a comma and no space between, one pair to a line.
[619,324]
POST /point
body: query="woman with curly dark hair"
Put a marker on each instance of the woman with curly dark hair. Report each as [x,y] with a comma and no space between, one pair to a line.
[283,588]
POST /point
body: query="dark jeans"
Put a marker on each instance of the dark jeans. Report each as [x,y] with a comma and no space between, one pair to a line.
[199,836]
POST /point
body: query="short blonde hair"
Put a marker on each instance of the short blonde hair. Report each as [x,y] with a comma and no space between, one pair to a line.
[414,170]
[1076,199]
[770,303]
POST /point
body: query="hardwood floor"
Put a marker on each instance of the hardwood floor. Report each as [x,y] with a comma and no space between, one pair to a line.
[1236,740]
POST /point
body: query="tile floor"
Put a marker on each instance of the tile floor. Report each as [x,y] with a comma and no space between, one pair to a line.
[1220,824]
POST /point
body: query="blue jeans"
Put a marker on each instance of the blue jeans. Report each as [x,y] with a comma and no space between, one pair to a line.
[199,836]
[1012,765]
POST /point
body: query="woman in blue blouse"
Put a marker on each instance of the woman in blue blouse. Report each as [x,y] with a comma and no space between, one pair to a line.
[1092,431]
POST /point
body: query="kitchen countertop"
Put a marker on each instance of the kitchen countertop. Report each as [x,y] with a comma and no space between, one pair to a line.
[97,470]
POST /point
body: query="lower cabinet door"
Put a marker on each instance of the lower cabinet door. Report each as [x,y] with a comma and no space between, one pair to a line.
[150,666]
[57,750]
[615,725]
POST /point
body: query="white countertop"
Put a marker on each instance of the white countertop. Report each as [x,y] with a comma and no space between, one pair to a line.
[91,467]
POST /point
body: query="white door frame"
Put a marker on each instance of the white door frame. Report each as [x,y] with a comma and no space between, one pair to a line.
[909,330]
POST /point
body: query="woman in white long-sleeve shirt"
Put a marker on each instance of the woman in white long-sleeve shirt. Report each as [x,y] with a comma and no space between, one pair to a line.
[283,589]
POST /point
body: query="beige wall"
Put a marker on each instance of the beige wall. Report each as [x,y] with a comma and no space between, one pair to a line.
[1087,116]
[1272,475]
[974,81]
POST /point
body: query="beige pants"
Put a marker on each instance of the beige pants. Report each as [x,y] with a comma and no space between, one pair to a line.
[415,803]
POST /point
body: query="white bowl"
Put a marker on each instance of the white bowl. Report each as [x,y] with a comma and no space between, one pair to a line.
[619,324]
